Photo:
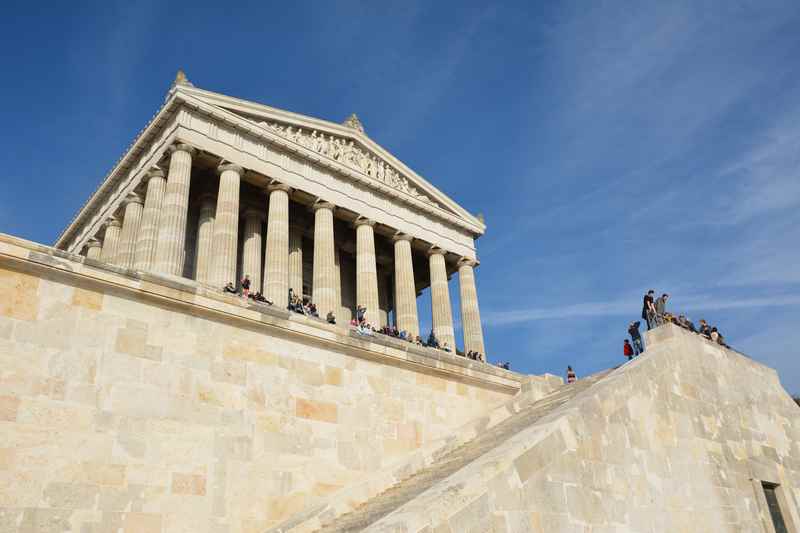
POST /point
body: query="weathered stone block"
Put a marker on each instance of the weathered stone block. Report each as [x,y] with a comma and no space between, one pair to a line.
[9,405]
[18,295]
[333,376]
[316,410]
[191,484]
[87,299]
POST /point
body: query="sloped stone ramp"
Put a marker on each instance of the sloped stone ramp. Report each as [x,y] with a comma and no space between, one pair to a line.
[403,492]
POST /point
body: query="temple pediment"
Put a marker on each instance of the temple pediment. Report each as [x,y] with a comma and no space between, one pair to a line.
[346,144]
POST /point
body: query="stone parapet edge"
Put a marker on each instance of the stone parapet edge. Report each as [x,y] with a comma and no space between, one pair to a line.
[188,294]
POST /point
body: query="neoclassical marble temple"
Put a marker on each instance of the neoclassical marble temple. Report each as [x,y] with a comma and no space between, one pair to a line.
[215,188]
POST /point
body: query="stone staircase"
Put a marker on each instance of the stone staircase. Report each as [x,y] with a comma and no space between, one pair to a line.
[403,492]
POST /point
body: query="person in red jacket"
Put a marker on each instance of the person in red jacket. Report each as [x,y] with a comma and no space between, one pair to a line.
[627,350]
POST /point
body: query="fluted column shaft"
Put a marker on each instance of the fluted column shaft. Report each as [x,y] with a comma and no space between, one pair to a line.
[296,259]
[251,250]
[367,271]
[170,251]
[276,264]
[226,226]
[441,310]
[93,249]
[405,288]
[145,250]
[110,251]
[205,238]
[324,290]
[341,312]
[470,314]
[130,230]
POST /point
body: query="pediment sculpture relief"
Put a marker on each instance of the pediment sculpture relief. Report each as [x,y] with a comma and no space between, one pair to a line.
[350,155]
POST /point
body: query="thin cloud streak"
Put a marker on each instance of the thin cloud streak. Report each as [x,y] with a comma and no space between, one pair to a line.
[621,308]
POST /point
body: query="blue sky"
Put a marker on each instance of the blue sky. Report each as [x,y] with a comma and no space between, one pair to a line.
[612,147]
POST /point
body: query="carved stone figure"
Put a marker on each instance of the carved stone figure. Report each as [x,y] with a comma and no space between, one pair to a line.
[347,153]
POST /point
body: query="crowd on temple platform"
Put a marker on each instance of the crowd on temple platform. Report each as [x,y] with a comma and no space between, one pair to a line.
[304,306]
[362,327]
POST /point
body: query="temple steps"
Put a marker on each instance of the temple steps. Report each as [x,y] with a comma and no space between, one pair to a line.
[403,492]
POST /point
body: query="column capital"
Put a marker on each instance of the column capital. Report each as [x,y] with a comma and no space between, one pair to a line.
[153,172]
[363,221]
[132,198]
[112,221]
[252,212]
[93,243]
[468,261]
[435,250]
[277,186]
[400,236]
[182,147]
[227,165]
[321,204]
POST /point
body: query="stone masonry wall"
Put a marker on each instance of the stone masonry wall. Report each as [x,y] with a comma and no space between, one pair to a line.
[678,440]
[125,411]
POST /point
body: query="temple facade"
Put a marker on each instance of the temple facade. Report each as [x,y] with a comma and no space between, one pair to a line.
[217,188]
[138,397]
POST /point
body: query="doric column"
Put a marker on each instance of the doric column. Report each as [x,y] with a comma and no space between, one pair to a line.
[145,250]
[131,221]
[110,250]
[405,288]
[205,238]
[276,263]
[324,290]
[470,315]
[93,248]
[251,249]
[367,270]
[441,310]
[296,259]
[226,226]
[170,252]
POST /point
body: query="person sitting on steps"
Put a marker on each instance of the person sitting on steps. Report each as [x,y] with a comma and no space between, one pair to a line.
[229,288]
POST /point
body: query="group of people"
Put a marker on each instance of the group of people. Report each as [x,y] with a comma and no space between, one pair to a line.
[301,305]
[654,311]
[245,293]
[364,328]
[304,306]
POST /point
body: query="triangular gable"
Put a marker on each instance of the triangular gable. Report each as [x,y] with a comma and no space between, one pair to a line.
[346,144]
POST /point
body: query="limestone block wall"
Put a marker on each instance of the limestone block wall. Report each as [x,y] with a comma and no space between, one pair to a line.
[128,403]
[679,440]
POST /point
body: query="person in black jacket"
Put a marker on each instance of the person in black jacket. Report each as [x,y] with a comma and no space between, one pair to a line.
[246,286]
[649,309]
[636,337]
